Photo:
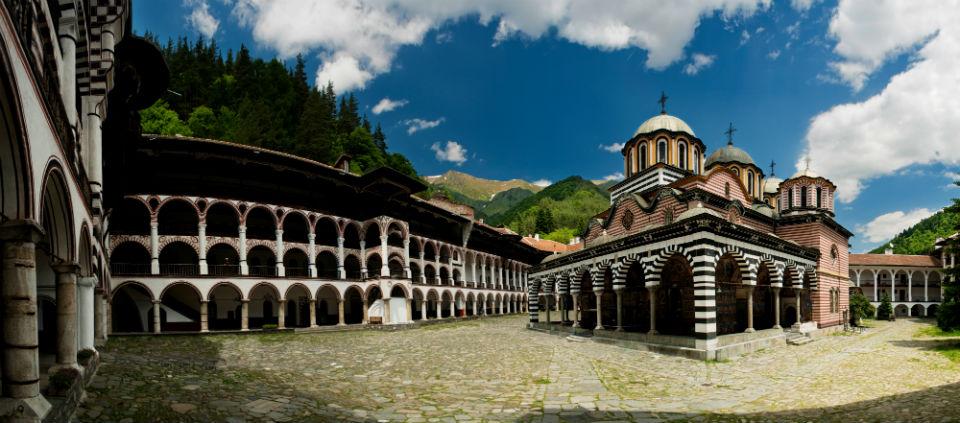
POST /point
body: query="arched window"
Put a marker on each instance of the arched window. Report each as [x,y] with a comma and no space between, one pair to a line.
[662,151]
[643,156]
[750,183]
[819,194]
[736,171]
[682,152]
[803,196]
[696,160]
[790,198]
[631,165]
[726,190]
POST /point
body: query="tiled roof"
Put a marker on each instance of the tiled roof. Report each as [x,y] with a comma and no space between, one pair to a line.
[894,260]
[551,246]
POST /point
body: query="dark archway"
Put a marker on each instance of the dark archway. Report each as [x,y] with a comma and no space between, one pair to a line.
[224,307]
[374,263]
[328,301]
[180,304]
[131,309]
[130,217]
[295,263]
[179,259]
[327,265]
[353,305]
[261,261]
[731,297]
[130,258]
[261,224]
[636,301]
[178,217]
[295,228]
[223,220]
[675,301]
[351,265]
[223,260]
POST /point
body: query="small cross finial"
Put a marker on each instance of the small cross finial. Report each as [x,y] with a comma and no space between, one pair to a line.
[729,133]
[663,103]
[773,164]
[807,160]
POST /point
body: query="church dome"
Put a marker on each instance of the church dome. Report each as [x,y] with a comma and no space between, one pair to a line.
[771,185]
[729,154]
[664,121]
[805,172]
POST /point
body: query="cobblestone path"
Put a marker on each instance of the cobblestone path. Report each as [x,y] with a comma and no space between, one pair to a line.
[495,370]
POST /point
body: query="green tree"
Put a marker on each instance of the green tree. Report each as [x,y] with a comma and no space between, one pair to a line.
[860,308]
[948,314]
[203,123]
[563,235]
[885,311]
[159,119]
[544,222]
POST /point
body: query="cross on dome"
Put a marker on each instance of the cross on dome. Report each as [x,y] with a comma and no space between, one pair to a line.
[773,164]
[729,133]
[663,102]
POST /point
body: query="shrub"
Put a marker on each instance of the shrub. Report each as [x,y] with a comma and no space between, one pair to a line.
[860,308]
[885,311]
[269,326]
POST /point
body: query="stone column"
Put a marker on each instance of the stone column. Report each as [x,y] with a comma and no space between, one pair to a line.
[875,283]
[749,309]
[453,309]
[776,308]
[366,310]
[202,241]
[546,305]
[154,246]
[156,316]
[576,310]
[483,273]
[342,320]
[86,312]
[313,313]
[282,314]
[406,258]
[204,317]
[281,272]
[423,270]
[619,293]
[926,278]
[242,250]
[363,259]
[384,256]
[341,272]
[409,310]
[599,295]
[652,292]
[386,309]
[799,303]
[21,400]
[244,315]
[312,255]
[423,310]
[439,310]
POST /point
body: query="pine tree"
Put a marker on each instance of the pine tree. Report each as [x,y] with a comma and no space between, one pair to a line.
[544,222]
[380,139]
[885,311]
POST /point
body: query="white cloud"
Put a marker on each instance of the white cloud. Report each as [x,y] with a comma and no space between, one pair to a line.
[417,124]
[201,19]
[802,5]
[698,62]
[542,183]
[443,37]
[613,148]
[614,177]
[913,119]
[387,105]
[888,225]
[773,55]
[744,37]
[363,36]
[953,177]
[451,151]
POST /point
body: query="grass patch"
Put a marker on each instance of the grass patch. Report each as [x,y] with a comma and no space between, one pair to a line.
[717,361]
[950,351]
[934,331]
[542,381]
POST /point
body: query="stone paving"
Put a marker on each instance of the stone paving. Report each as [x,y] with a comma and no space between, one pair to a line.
[495,370]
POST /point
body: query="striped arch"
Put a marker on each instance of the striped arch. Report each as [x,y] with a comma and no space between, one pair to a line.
[656,267]
[596,273]
[563,283]
[621,268]
[776,273]
[748,272]
[796,275]
[533,300]
[814,278]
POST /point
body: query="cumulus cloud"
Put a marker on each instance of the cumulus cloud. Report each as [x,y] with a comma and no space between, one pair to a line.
[914,118]
[744,37]
[201,19]
[542,183]
[613,148]
[698,62]
[888,225]
[954,177]
[614,177]
[387,105]
[417,124]
[773,55]
[363,36]
[451,151]
[802,5]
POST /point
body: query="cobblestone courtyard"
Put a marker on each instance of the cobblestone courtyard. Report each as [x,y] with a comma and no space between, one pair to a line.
[495,370]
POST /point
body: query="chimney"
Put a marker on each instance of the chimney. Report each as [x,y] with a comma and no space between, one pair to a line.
[536,236]
[889,250]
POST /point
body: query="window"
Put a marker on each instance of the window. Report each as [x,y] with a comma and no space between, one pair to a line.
[627,219]
[750,183]
[726,190]
[631,166]
[803,196]
[735,171]
[819,194]
[834,254]
[789,198]
[682,151]
[696,161]
[662,151]
[643,156]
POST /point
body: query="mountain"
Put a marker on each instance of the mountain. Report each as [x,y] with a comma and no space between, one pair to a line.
[919,238]
[478,189]
[571,203]
[505,200]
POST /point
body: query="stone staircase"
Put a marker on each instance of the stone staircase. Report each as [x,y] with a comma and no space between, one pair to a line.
[797,338]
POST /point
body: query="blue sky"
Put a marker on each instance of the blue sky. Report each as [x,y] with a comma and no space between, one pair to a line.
[521,91]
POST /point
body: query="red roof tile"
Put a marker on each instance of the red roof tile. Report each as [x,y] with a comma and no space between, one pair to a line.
[894,260]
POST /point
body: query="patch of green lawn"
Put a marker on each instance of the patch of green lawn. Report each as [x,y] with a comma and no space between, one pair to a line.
[933,331]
